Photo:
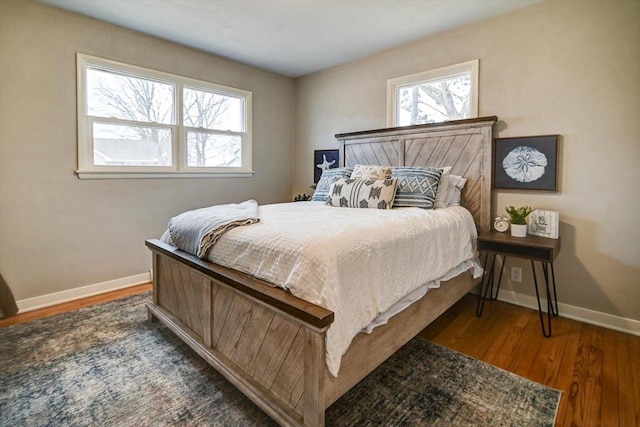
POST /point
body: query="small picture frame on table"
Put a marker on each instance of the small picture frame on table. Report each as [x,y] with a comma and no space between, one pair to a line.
[526,163]
[544,223]
[324,159]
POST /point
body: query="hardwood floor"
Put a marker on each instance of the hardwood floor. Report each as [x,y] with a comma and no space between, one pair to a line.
[74,305]
[597,369]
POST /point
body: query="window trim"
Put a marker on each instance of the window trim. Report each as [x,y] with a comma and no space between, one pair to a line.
[470,67]
[179,169]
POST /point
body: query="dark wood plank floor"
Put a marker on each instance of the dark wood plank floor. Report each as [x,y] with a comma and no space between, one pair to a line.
[597,369]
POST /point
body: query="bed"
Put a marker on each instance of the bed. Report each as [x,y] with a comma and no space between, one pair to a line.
[271,344]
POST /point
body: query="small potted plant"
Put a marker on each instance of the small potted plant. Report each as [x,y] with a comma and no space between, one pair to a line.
[518,220]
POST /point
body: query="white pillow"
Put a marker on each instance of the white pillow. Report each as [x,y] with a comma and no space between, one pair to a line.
[363,193]
[371,172]
[454,190]
[441,194]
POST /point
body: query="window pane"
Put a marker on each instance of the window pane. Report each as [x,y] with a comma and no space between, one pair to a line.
[211,150]
[120,145]
[435,100]
[129,98]
[210,110]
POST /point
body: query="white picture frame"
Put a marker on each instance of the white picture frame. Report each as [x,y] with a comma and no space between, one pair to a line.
[544,223]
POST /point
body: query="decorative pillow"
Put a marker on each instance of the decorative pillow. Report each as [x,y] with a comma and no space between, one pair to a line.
[329,176]
[363,193]
[371,172]
[417,186]
[454,190]
[441,195]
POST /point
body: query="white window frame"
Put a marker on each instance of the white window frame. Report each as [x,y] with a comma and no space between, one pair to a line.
[470,67]
[179,169]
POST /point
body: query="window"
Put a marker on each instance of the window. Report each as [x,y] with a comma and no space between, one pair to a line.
[449,93]
[135,122]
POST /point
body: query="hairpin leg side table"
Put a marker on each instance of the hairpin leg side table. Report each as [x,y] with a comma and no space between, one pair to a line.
[533,248]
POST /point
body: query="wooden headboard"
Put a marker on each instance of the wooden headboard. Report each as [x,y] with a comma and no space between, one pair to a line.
[465,145]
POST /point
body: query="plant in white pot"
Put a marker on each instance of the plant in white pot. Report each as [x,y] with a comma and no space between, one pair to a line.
[518,220]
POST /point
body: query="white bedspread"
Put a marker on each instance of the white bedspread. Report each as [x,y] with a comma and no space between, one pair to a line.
[359,263]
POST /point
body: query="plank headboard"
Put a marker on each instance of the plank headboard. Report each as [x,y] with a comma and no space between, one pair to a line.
[465,145]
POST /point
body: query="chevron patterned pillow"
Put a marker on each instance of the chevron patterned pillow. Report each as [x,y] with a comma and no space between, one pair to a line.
[363,193]
[417,186]
[371,172]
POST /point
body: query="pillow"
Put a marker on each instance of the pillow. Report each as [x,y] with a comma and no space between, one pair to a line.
[441,195]
[326,179]
[417,186]
[454,190]
[363,193]
[371,172]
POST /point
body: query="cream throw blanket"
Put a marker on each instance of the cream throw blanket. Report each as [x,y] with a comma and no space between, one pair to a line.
[197,231]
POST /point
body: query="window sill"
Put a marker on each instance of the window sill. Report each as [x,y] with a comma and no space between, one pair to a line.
[156,175]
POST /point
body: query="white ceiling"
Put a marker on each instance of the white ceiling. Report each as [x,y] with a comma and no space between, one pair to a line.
[291,37]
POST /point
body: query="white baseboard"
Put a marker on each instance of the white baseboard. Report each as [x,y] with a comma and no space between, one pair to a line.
[81,292]
[609,321]
[585,315]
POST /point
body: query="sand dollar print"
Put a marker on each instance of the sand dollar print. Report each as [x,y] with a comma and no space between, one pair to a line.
[524,164]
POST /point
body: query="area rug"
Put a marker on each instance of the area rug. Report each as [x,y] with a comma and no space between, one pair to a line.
[106,365]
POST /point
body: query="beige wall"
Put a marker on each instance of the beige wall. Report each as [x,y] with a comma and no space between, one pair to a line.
[563,67]
[58,232]
[558,67]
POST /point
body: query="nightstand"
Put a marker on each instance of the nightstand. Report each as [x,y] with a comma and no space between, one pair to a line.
[533,248]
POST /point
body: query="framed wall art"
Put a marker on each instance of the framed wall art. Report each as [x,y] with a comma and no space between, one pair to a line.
[544,223]
[323,159]
[526,163]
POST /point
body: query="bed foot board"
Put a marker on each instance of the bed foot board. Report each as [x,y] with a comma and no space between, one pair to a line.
[314,375]
[274,358]
[243,382]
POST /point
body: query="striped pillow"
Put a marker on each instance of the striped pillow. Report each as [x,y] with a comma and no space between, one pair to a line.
[417,186]
[329,176]
[363,193]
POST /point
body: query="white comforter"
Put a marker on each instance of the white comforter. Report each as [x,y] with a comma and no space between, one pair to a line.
[359,263]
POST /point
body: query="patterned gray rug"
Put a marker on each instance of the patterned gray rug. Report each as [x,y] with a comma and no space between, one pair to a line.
[106,365]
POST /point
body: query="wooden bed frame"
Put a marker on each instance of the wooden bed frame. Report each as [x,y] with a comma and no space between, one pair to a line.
[270,344]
